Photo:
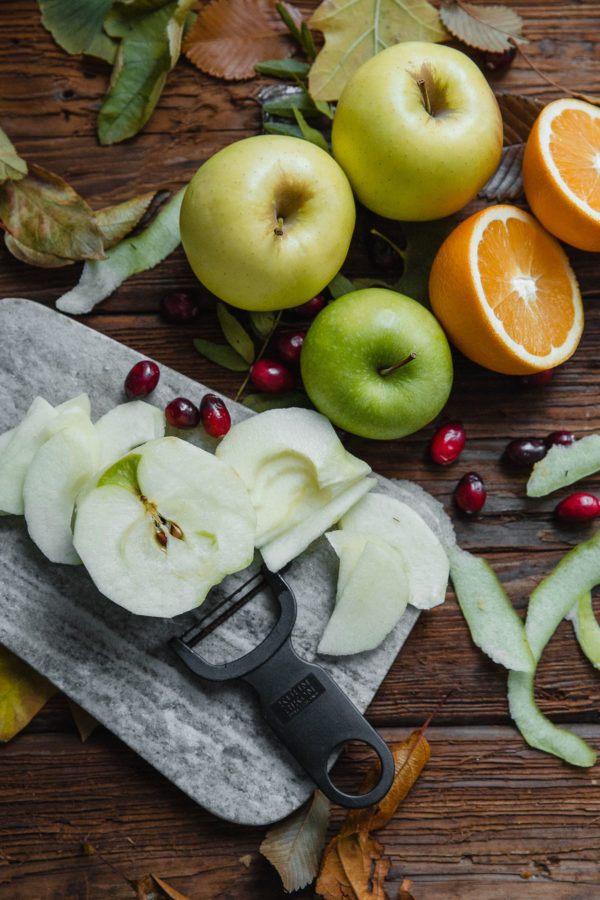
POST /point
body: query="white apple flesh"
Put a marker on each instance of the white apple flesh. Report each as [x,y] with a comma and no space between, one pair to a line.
[267,222]
[418,131]
[163,525]
[127,426]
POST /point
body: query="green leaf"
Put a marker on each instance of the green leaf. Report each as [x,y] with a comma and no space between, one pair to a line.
[115,222]
[12,166]
[340,285]
[262,322]
[44,213]
[235,335]
[298,30]
[221,354]
[282,128]
[22,694]
[76,25]
[309,133]
[423,240]
[283,68]
[354,32]
[261,401]
[284,106]
[134,254]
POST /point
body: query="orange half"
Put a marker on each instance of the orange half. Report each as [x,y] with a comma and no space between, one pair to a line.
[504,292]
[561,172]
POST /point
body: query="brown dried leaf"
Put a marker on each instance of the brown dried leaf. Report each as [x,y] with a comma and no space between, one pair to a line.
[364,865]
[44,213]
[84,723]
[11,164]
[115,222]
[294,845]
[484,27]
[151,887]
[332,883]
[33,257]
[518,115]
[594,99]
[23,692]
[230,37]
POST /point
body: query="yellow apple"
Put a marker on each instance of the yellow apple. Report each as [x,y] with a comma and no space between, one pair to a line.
[266,222]
[418,131]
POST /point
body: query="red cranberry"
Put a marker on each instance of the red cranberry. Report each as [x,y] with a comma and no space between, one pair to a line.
[525,451]
[178,307]
[182,413]
[470,493]
[563,438]
[142,379]
[271,376]
[498,62]
[537,379]
[578,508]
[310,308]
[448,443]
[289,346]
[215,416]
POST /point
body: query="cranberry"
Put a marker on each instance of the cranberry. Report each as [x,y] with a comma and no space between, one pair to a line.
[537,379]
[179,307]
[578,508]
[215,416]
[525,451]
[563,438]
[289,345]
[271,376]
[470,493]
[142,379]
[448,443]
[182,413]
[498,62]
[310,308]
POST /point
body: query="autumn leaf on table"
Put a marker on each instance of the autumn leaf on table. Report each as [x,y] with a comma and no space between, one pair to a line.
[12,166]
[42,212]
[76,26]
[115,222]
[518,115]
[294,845]
[484,27]
[230,37]
[357,31]
[23,692]
[151,887]
[84,722]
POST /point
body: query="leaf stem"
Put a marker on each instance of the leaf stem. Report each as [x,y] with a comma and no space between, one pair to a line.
[401,253]
[259,355]
[398,365]
[539,72]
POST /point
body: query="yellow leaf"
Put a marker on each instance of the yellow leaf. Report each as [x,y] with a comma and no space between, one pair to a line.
[23,692]
[354,32]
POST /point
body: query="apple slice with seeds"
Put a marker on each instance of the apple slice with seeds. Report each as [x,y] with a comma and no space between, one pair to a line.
[393,521]
[372,598]
[162,525]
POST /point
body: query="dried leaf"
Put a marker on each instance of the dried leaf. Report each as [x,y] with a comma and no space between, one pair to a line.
[23,692]
[507,182]
[332,883]
[221,354]
[44,213]
[11,164]
[230,37]
[85,723]
[262,401]
[484,27]
[594,99]
[364,865]
[115,222]
[355,32]
[518,115]
[151,887]
[34,257]
[235,334]
[294,845]
[75,25]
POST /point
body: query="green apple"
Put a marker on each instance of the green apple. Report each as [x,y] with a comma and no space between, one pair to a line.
[377,364]
[418,131]
[266,222]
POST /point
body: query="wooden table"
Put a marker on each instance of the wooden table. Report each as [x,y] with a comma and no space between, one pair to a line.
[489,817]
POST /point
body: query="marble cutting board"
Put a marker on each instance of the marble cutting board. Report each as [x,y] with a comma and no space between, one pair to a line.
[209,739]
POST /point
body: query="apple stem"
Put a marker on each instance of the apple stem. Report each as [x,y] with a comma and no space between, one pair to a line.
[279,227]
[389,241]
[399,365]
[425,95]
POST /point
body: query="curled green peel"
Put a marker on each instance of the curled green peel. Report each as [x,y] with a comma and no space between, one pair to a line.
[587,630]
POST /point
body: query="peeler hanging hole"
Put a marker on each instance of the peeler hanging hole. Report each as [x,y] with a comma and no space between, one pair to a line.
[359,757]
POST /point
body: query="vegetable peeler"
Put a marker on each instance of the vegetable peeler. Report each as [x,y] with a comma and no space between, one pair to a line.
[304,706]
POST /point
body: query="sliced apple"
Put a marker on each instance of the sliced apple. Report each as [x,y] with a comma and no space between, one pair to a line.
[393,521]
[299,475]
[372,599]
[127,426]
[162,525]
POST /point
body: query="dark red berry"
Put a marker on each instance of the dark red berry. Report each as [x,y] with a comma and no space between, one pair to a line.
[578,508]
[448,443]
[537,379]
[470,493]
[288,345]
[562,438]
[525,451]
[310,308]
[142,379]
[178,307]
[215,416]
[271,376]
[182,413]
[497,62]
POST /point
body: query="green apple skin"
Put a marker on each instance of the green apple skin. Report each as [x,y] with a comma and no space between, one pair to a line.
[266,222]
[403,161]
[357,336]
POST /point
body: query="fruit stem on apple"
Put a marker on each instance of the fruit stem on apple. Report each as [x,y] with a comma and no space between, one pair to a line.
[279,227]
[401,253]
[425,95]
[398,365]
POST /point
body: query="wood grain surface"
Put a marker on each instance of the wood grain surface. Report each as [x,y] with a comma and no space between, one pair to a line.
[489,817]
